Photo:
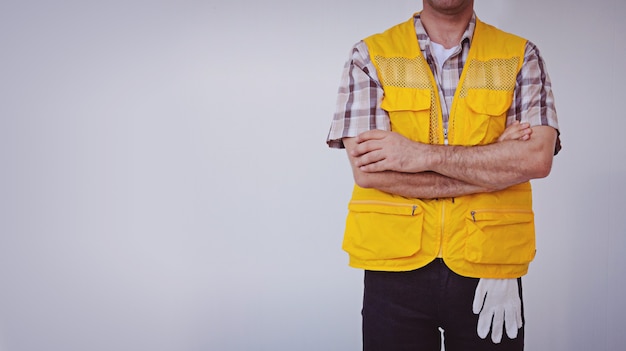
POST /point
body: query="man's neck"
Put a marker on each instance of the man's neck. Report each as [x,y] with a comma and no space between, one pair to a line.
[445,28]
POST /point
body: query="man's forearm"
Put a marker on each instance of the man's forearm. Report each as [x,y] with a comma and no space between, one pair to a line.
[493,167]
[498,166]
[424,185]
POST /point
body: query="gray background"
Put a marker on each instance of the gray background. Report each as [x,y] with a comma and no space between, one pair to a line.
[165,182]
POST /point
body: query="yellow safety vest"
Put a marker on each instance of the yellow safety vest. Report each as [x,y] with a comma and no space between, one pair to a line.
[487,235]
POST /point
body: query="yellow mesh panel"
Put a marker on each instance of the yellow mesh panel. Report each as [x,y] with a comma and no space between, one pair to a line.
[413,73]
[496,74]
[404,72]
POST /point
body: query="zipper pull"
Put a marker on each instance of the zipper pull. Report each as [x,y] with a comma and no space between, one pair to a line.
[445,136]
[414,208]
[473,213]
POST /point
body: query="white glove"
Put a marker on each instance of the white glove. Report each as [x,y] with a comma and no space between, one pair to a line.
[498,299]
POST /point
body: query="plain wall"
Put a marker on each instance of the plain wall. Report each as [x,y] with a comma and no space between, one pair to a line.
[165,182]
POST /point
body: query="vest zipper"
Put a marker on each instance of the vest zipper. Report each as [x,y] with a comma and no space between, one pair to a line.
[445,136]
[443,223]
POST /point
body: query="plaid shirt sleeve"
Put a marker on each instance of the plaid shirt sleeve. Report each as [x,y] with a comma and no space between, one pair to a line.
[358,101]
[533,100]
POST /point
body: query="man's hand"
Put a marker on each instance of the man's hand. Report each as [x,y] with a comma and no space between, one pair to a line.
[516,131]
[379,150]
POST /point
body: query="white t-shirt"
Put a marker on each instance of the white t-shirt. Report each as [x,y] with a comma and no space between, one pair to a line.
[440,53]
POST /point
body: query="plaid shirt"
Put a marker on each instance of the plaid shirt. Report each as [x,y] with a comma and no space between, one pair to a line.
[360,92]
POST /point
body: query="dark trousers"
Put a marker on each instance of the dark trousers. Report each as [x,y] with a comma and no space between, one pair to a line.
[403,311]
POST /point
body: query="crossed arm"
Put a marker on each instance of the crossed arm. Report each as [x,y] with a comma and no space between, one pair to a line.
[389,162]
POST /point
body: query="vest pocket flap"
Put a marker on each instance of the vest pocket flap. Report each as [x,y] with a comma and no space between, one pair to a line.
[383,231]
[501,217]
[489,102]
[503,236]
[385,208]
[405,99]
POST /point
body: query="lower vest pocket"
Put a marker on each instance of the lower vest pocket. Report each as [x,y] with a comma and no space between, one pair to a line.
[383,230]
[503,236]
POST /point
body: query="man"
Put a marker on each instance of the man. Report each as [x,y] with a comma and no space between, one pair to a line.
[445,120]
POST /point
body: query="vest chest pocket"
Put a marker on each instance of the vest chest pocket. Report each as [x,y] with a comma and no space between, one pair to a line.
[504,236]
[381,230]
[409,111]
[488,118]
